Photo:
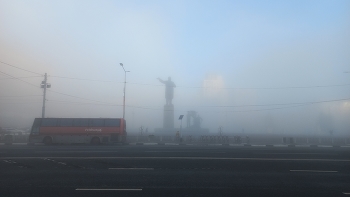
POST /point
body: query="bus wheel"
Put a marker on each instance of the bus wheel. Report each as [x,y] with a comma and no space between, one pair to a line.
[47,140]
[95,141]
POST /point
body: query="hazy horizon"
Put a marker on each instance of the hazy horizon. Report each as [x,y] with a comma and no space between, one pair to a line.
[258,66]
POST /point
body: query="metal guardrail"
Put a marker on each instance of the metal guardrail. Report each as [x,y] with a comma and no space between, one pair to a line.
[10,138]
[189,139]
[241,140]
[212,139]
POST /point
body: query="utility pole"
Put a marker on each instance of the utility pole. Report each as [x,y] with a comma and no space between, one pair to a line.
[44,85]
[121,64]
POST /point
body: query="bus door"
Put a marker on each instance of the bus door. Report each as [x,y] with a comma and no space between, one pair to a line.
[36,127]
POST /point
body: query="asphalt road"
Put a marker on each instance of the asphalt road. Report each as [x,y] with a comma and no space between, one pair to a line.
[173,171]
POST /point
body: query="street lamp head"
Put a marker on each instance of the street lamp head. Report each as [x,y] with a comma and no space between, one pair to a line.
[121,64]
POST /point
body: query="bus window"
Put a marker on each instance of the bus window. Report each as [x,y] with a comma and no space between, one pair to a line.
[112,123]
[49,122]
[96,123]
[66,122]
[81,122]
[37,122]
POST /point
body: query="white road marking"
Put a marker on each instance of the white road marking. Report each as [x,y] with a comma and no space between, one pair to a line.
[9,161]
[166,151]
[327,171]
[82,189]
[295,153]
[189,158]
[346,193]
[62,163]
[130,168]
[72,151]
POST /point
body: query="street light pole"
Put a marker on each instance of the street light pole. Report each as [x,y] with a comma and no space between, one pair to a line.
[121,64]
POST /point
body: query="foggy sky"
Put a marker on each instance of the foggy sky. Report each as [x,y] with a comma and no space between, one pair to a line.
[231,61]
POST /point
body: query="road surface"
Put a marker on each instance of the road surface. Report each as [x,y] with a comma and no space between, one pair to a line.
[173,171]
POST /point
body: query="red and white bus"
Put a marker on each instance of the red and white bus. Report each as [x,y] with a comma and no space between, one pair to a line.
[77,130]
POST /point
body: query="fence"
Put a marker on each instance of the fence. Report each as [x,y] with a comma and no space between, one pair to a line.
[217,139]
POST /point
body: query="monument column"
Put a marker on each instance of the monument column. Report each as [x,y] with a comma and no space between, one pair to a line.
[168,116]
[168,113]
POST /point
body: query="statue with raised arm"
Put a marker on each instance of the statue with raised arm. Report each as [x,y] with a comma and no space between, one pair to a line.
[169,90]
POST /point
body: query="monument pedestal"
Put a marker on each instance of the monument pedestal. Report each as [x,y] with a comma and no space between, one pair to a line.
[168,117]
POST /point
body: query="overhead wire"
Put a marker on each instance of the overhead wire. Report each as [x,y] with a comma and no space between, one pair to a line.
[201,87]
[52,90]
[102,104]
[268,109]
[20,77]
[256,105]
[20,96]
[76,102]
[194,87]
[23,102]
[291,105]
[228,88]
[77,97]
[96,80]
[296,104]
[20,68]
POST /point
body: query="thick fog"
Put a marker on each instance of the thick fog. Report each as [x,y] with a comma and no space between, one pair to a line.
[246,66]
